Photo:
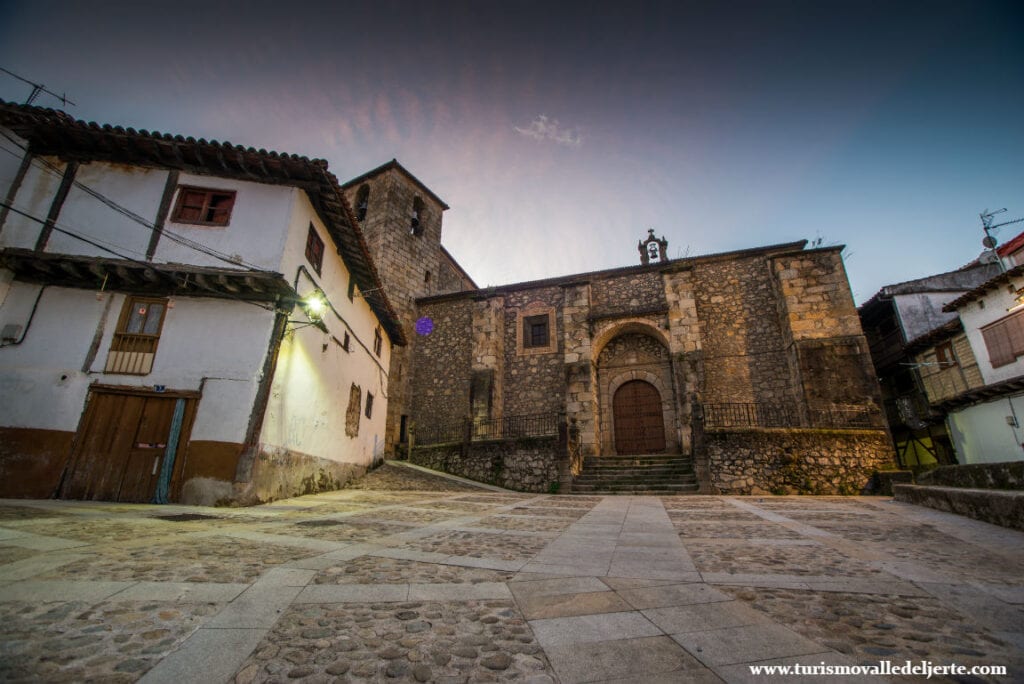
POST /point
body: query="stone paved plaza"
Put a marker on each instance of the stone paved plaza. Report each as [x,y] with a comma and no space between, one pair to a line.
[413,578]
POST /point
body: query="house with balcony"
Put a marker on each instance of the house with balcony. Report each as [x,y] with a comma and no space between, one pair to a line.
[180,319]
[899,321]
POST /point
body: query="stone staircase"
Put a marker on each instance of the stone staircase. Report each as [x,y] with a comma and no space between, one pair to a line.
[653,474]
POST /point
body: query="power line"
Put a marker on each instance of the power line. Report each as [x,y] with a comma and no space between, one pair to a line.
[146,264]
[39,88]
[174,237]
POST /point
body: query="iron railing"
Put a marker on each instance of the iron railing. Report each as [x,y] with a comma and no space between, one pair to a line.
[749,415]
[508,427]
[764,415]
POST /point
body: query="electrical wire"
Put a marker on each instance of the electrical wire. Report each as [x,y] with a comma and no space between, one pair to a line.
[146,264]
[171,235]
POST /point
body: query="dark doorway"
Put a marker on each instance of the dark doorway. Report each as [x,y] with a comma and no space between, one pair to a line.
[638,421]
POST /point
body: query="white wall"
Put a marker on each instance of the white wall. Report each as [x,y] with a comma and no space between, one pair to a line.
[998,302]
[135,188]
[921,312]
[310,394]
[254,234]
[216,346]
[981,433]
[34,198]
[255,231]
[10,160]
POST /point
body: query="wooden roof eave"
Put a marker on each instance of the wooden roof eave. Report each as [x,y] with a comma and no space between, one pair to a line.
[121,275]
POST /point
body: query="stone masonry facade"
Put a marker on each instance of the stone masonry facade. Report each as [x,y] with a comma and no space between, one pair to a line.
[770,327]
[773,328]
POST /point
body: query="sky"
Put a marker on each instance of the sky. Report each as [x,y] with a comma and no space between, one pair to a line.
[560,132]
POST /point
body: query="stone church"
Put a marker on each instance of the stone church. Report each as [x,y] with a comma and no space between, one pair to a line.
[740,372]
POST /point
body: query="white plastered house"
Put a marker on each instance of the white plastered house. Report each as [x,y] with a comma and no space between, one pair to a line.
[181,320]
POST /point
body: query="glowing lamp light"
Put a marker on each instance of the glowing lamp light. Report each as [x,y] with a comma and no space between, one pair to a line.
[315,305]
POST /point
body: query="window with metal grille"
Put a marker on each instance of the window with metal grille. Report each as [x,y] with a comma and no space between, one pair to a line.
[203,207]
[535,331]
[314,249]
[138,332]
[1005,339]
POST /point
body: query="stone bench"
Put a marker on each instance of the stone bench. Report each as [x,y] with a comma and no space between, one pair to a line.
[996,506]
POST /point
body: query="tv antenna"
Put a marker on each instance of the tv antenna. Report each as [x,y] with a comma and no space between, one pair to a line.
[38,88]
[989,242]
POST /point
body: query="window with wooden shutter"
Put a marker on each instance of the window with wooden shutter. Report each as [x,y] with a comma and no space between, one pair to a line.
[204,207]
[1005,340]
[138,332]
[314,249]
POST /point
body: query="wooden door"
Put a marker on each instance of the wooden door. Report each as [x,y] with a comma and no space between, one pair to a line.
[638,421]
[120,448]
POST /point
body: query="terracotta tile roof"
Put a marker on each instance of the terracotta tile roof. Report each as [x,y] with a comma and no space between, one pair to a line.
[979,292]
[50,132]
[933,337]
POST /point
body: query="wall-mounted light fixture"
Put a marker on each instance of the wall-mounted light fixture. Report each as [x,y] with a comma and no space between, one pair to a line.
[315,305]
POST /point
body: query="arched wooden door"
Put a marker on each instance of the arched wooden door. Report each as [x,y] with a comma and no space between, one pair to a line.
[638,420]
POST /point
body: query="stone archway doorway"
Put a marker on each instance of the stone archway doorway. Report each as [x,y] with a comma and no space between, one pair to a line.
[638,420]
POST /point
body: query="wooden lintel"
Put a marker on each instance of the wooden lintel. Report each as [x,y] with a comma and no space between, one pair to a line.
[126,275]
[254,284]
[71,269]
[224,282]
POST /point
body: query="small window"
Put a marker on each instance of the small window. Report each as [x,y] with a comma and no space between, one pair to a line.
[944,355]
[362,202]
[345,343]
[403,430]
[535,331]
[426,278]
[314,249]
[369,405]
[416,222]
[138,332]
[203,207]
[355,395]
[378,342]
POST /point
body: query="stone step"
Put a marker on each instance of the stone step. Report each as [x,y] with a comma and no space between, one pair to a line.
[653,470]
[655,459]
[654,488]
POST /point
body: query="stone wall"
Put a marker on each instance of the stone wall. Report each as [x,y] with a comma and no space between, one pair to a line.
[626,295]
[533,383]
[745,352]
[1006,475]
[524,464]
[794,460]
[442,364]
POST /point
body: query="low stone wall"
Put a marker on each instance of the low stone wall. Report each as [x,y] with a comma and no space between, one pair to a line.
[1008,475]
[794,460]
[276,474]
[528,464]
[999,507]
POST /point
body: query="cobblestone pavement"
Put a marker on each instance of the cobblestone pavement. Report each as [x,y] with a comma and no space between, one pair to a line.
[408,577]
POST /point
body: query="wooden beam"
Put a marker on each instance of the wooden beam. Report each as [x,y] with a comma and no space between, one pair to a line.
[58,203]
[227,284]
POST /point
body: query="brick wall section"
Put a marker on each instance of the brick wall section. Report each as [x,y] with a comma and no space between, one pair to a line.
[795,461]
[745,357]
[442,364]
[528,465]
[534,383]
